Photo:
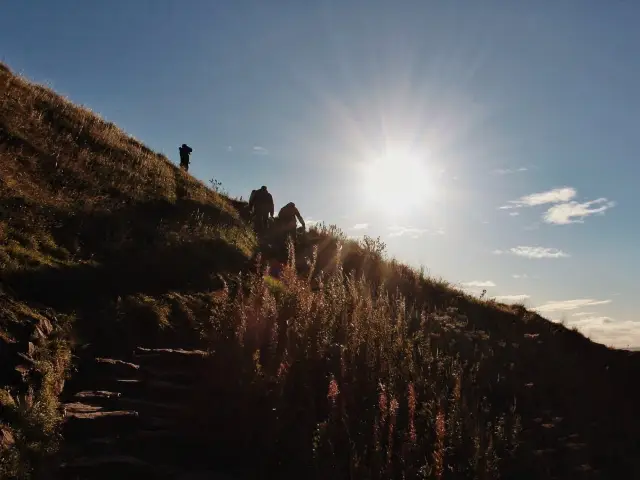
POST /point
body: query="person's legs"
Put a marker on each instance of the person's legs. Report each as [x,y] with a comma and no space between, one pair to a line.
[261,220]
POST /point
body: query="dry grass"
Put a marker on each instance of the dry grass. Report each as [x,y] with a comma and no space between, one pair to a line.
[350,365]
[347,383]
[33,414]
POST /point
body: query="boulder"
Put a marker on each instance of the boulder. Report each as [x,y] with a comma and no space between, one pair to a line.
[7,439]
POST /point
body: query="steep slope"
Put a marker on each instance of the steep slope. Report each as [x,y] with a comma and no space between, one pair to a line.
[347,365]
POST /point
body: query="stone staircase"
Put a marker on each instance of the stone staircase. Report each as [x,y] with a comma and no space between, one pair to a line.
[131,419]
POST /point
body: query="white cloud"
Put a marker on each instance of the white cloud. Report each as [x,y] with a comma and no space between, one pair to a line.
[258,150]
[574,212]
[556,195]
[479,284]
[533,252]
[518,276]
[229,148]
[397,231]
[507,171]
[511,298]
[565,305]
[440,231]
[608,331]
[360,226]
[310,221]
[514,214]
[582,314]
[566,210]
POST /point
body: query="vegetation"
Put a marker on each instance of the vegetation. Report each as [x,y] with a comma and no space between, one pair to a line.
[348,365]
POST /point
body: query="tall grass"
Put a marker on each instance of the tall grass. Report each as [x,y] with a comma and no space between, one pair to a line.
[327,378]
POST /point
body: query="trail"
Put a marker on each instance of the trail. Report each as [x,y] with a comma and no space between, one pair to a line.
[128,418]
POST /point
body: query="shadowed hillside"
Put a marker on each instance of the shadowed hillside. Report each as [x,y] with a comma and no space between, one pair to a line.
[140,337]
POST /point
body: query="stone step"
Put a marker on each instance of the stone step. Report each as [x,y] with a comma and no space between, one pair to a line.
[112,366]
[114,466]
[145,389]
[84,420]
[165,381]
[175,376]
[93,372]
[116,401]
[167,357]
[174,448]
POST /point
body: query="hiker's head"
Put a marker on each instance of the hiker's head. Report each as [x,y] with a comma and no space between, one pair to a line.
[263,188]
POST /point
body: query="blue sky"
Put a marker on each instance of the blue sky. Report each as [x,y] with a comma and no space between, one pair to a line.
[413,120]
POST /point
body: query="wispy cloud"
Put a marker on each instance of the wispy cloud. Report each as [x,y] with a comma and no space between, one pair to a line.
[514,214]
[258,150]
[582,314]
[565,210]
[556,195]
[519,276]
[397,231]
[360,226]
[567,305]
[511,298]
[533,252]
[608,331]
[310,221]
[229,148]
[413,232]
[508,171]
[574,212]
[479,284]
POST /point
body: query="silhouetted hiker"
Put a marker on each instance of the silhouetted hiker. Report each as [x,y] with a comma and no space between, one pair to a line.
[185,151]
[287,220]
[262,207]
[252,199]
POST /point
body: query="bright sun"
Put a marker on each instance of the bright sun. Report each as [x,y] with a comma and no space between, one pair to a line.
[396,183]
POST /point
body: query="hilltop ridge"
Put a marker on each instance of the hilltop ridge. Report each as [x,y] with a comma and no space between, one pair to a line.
[348,365]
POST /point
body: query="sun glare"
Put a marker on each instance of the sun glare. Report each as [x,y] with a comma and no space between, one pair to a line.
[396,183]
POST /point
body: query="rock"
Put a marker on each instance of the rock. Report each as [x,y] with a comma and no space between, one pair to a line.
[34,327]
[23,370]
[6,438]
[38,335]
[45,326]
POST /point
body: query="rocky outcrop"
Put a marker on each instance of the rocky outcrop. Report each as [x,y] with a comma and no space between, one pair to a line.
[23,333]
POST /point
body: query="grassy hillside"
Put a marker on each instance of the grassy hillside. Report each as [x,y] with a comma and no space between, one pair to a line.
[347,366]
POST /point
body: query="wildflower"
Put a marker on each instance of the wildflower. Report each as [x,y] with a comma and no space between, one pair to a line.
[333,391]
[438,453]
[412,412]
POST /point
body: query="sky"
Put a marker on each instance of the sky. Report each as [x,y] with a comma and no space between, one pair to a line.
[493,143]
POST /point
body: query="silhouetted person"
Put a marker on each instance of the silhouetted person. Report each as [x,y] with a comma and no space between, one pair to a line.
[287,220]
[185,151]
[262,208]
[252,199]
